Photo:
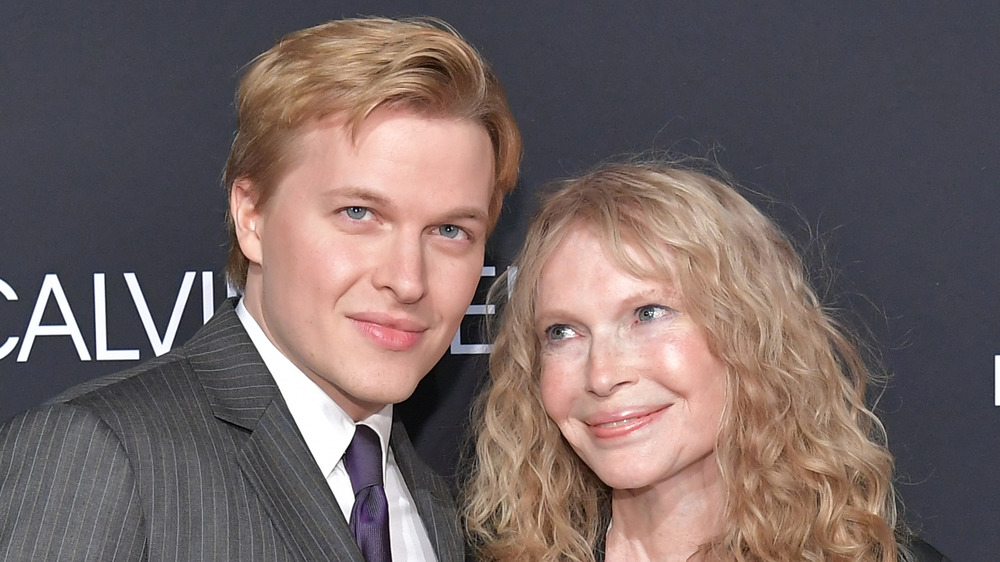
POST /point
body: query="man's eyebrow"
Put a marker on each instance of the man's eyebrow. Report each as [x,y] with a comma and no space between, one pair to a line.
[467,213]
[357,192]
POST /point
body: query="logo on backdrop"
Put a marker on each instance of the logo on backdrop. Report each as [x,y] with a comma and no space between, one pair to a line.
[996,380]
[20,345]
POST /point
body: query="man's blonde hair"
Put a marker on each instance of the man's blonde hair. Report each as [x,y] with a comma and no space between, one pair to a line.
[351,67]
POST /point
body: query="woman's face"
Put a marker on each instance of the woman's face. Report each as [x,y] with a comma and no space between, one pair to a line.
[625,372]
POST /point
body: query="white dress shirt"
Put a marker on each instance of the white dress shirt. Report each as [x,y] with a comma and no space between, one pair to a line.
[328,430]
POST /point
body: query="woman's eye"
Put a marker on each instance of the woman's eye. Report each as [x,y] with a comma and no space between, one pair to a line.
[451,231]
[650,312]
[559,332]
[356,213]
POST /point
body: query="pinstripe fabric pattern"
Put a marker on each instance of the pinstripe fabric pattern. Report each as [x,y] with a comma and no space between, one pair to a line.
[193,456]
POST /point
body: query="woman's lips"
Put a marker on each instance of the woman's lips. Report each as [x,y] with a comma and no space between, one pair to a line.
[611,425]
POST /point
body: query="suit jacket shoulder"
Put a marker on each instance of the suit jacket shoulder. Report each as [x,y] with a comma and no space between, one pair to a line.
[174,430]
[193,455]
[67,489]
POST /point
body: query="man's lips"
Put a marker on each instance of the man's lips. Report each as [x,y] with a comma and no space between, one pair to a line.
[622,422]
[391,332]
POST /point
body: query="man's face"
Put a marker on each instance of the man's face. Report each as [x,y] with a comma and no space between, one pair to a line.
[367,255]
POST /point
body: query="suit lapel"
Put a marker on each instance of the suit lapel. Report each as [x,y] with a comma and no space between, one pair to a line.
[295,494]
[431,496]
[274,458]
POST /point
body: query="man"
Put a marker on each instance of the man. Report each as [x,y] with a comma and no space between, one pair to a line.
[369,166]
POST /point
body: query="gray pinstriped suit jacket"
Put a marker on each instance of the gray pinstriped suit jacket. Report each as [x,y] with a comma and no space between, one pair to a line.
[192,456]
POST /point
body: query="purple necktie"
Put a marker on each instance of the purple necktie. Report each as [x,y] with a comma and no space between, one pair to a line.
[370,516]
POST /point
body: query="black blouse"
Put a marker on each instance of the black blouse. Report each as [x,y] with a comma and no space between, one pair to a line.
[922,552]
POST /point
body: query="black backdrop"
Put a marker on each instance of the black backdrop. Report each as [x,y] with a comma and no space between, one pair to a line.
[872,128]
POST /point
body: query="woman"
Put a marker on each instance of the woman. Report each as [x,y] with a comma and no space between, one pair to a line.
[665,385]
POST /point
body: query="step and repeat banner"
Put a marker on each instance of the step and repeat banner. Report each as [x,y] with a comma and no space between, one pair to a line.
[872,134]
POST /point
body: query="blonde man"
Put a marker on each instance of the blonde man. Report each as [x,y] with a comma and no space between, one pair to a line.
[369,166]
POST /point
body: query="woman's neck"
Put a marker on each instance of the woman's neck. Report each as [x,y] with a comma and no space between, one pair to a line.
[665,522]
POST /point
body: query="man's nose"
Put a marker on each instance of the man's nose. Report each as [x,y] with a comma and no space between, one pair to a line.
[401,268]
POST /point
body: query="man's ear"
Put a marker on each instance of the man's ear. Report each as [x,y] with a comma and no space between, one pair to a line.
[246,217]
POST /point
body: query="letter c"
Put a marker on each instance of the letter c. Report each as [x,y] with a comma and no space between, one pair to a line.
[10,343]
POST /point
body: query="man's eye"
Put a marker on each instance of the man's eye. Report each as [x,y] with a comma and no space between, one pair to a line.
[451,231]
[559,332]
[650,312]
[356,213]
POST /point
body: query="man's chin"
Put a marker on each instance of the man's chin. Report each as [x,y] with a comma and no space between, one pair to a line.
[393,393]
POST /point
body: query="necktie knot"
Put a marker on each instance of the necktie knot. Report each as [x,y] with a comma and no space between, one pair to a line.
[370,516]
[363,459]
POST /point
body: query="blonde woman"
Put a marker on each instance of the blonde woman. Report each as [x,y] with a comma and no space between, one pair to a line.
[665,385]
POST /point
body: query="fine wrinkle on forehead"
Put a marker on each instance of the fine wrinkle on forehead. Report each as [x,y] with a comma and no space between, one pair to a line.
[634,258]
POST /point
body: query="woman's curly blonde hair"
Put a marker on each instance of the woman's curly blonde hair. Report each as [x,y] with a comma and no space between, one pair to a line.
[804,462]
